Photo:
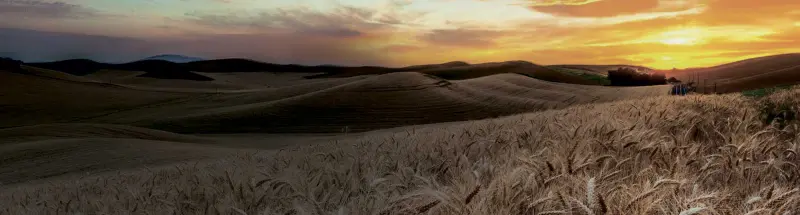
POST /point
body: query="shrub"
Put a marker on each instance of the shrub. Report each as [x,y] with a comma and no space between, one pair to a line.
[776,106]
[779,113]
[9,64]
[673,80]
[761,92]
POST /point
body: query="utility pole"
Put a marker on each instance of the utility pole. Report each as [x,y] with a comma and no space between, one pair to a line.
[705,85]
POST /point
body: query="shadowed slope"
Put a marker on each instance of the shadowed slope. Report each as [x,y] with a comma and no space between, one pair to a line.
[746,74]
[518,67]
[339,72]
[174,58]
[27,99]
[161,69]
[153,68]
[106,75]
[460,70]
[600,69]
[393,100]
[84,67]
[220,82]
[189,71]
[78,67]
[435,66]
[81,130]
[51,150]
[55,75]
[332,105]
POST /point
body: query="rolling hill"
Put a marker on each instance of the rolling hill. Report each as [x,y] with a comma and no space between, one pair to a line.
[192,70]
[733,77]
[174,58]
[599,69]
[744,75]
[358,103]
[88,144]
[152,68]
[512,67]
[84,67]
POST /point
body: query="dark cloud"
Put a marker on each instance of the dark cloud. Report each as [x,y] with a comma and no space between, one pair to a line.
[38,46]
[34,46]
[283,48]
[299,36]
[746,12]
[47,9]
[342,22]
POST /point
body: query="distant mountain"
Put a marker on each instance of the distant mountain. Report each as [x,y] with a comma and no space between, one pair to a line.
[174,58]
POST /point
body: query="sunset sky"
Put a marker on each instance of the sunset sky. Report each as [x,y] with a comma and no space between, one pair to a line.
[656,33]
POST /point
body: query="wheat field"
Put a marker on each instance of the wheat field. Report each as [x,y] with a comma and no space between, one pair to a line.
[702,154]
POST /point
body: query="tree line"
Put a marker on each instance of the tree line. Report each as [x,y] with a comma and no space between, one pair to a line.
[625,76]
[9,64]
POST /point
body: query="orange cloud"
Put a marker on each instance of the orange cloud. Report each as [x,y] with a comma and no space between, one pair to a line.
[595,8]
[656,33]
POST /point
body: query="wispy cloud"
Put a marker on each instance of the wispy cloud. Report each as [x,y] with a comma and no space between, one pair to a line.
[461,37]
[542,3]
[342,21]
[594,8]
[659,33]
[32,45]
[48,9]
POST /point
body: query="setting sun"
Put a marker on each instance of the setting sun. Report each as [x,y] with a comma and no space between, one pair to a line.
[679,41]
[686,36]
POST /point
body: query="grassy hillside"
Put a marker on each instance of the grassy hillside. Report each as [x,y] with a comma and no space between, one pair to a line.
[666,155]
[747,74]
[597,78]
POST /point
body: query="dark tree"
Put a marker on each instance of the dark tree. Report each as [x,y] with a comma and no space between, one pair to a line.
[657,78]
[673,80]
[630,77]
[9,64]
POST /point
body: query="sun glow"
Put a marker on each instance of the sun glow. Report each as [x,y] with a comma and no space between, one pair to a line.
[685,37]
[679,41]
